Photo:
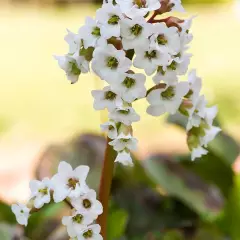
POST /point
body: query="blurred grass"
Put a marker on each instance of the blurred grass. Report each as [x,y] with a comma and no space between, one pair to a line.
[35,93]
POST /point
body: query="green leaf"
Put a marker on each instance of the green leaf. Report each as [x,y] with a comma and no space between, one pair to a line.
[6,214]
[117,221]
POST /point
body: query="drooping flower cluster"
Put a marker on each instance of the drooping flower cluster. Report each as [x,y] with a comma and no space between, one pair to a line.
[67,185]
[124,35]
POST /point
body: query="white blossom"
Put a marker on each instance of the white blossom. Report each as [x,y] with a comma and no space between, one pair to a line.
[130,86]
[40,192]
[108,62]
[88,204]
[198,152]
[136,8]
[135,32]
[176,6]
[126,115]
[111,129]
[73,40]
[106,98]
[195,85]
[166,99]
[124,157]
[185,34]
[91,232]
[22,213]
[76,223]
[68,182]
[123,142]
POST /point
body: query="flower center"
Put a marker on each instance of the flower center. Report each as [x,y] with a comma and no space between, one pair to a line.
[22,211]
[88,233]
[72,182]
[110,95]
[160,69]
[129,82]
[161,40]
[44,191]
[140,3]
[112,62]
[124,112]
[96,32]
[113,20]
[78,218]
[136,29]
[74,68]
[169,93]
[87,203]
[150,55]
[189,94]
[110,128]
[124,140]
[172,66]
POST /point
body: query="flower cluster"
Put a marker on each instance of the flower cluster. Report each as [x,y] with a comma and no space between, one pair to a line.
[125,35]
[70,186]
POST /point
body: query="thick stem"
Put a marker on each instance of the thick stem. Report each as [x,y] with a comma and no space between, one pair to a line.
[105,186]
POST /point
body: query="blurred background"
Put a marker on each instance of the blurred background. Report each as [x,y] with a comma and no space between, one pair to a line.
[44,119]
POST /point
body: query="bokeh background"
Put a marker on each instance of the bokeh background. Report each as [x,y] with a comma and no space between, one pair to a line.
[45,119]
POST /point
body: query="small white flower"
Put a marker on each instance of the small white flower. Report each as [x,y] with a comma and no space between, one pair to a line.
[111,128]
[126,115]
[124,157]
[68,182]
[106,98]
[91,34]
[185,35]
[198,152]
[130,86]
[136,8]
[123,142]
[176,6]
[73,40]
[135,32]
[108,62]
[91,232]
[149,58]
[109,17]
[76,223]
[210,134]
[195,85]
[88,204]
[166,38]
[167,99]
[73,65]
[40,192]
[22,213]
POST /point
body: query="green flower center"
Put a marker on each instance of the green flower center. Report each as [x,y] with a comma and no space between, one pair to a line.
[87,203]
[113,20]
[44,191]
[129,82]
[21,211]
[78,218]
[150,55]
[96,31]
[169,93]
[140,3]
[189,94]
[160,69]
[124,112]
[109,95]
[161,40]
[111,128]
[112,62]
[124,140]
[72,182]
[172,66]
[88,233]
[74,68]
[136,29]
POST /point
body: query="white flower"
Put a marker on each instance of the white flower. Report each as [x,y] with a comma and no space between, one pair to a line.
[176,6]
[111,128]
[130,86]
[106,98]
[109,17]
[185,35]
[73,65]
[167,99]
[22,213]
[73,40]
[91,34]
[210,134]
[198,152]
[126,115]
[135,32]
[123,142]
[40,192]
[88,204]
[124,157]
[68,182]
[166,38]
[135,8]
[76,223]
[91,232]
[149,58]
[195,85]
[108,62]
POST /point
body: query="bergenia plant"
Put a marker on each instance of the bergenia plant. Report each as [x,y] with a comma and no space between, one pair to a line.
[127,43]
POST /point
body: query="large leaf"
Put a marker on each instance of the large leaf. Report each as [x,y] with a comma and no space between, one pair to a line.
[6,214]
[179,182]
